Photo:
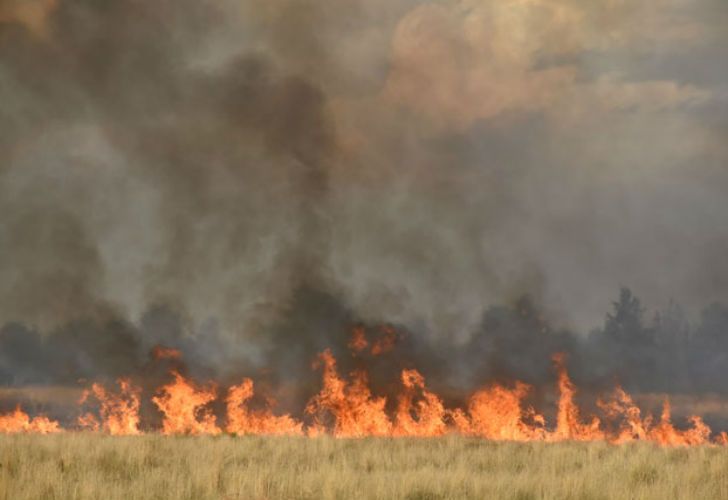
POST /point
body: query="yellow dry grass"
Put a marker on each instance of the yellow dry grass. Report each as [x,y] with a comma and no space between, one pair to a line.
[87,466]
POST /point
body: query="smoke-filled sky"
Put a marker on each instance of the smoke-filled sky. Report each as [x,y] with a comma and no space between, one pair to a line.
[418,161]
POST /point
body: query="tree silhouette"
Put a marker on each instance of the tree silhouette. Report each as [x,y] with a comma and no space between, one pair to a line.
[624,323]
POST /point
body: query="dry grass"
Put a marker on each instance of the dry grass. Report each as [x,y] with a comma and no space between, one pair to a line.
[85,466]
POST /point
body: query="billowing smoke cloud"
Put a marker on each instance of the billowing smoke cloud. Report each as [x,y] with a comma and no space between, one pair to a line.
[246,180]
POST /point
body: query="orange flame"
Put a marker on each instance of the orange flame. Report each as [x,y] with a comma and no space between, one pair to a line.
[348,408]
[423,418]
[496,413]
[88,422]
[568,419]
[633,427]
[183,405]
[240,420]
[665,433]
[358,342]
[119,412]
[722,439]
[355,412]
[160,352]
[19,422]
[386,342]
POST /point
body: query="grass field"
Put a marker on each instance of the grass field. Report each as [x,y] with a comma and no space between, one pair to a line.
[87,466]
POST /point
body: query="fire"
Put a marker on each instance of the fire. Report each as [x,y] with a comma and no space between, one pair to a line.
[621,406]
[347,407]
[119,412]
[634,427]
[497,413]
[423,418]
[184,407]
[356,413]
[88,422]
[161,352]
[19,422]
[241,420]
[665,434]
[568,419]
[722,438]
[358,342]
[386,343]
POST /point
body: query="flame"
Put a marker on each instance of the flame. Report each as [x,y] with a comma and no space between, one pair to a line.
[568,419]
[119,412]
[347,407]
[358,342]
[722,439]
[88,422]
[386,343]
[665,433]
[19,422]
[633,426]
[240,420]
[356,413]
[184,407]
[422,418]
[160,352]
[497,413]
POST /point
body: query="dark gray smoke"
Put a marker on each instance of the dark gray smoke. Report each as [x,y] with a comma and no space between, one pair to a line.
[246,181]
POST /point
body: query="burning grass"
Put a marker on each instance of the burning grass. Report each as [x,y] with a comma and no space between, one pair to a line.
[92,466]
[345,407]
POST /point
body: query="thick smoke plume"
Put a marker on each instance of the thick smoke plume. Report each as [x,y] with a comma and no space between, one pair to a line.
[247,181]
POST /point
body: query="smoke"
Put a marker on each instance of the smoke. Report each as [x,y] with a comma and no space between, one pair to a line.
[247,180]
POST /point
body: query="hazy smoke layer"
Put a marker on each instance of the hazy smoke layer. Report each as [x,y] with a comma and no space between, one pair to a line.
[247,179]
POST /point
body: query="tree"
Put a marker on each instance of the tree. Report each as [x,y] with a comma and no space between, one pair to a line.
[625,324]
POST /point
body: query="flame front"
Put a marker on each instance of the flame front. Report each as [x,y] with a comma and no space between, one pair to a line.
[347,407]
[19,422]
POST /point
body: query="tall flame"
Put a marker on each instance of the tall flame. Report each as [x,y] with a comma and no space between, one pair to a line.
[569,425]
[423,416]
[119,411]
[184,407]
[356,413]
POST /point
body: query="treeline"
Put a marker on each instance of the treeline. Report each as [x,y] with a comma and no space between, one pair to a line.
[661,352]
[664,352]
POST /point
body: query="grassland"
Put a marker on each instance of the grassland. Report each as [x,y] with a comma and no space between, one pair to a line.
[87,466]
